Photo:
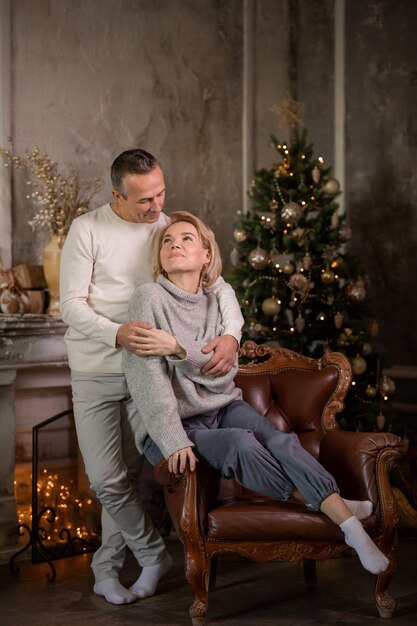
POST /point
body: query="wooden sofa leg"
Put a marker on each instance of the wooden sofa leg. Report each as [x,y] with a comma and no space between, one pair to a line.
[310,573]
[384,602]
[198,575]
[213,573]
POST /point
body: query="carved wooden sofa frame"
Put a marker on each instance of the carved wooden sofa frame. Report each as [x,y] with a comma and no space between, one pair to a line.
[214,516]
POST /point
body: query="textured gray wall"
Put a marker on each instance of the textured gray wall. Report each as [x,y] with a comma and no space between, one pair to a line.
[313,70]
[381,154]
[92,78]
[271,74]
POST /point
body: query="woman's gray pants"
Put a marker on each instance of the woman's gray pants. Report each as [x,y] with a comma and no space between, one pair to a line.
[249,448]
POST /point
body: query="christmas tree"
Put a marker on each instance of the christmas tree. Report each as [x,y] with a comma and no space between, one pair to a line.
[298,285]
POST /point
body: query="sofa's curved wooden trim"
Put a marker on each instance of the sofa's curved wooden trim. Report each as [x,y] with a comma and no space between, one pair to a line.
[283,360]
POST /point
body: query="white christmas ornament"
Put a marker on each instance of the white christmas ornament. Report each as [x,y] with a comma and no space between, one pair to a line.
[258,258]
[315,174]
[234,257]
[291,212]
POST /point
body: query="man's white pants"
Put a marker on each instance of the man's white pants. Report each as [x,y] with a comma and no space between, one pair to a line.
[106,420]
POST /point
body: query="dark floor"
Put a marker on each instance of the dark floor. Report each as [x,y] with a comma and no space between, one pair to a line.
[246,593]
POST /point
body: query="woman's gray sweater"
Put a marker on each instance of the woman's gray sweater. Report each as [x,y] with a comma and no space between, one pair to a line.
[169,389]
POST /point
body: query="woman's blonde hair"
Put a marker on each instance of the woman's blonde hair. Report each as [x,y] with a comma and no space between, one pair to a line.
[213,269]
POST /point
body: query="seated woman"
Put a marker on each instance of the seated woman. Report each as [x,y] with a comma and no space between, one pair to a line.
[188,415]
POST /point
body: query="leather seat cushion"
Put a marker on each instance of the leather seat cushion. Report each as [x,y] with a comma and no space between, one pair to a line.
[269,520]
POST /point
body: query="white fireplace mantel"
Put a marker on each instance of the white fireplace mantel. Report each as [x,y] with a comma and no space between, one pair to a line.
[28,343]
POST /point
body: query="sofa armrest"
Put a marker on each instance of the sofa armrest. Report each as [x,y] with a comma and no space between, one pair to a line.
[360,462]
[162,475]
[188,496]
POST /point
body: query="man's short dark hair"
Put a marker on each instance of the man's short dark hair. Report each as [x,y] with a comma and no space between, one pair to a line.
[134,161]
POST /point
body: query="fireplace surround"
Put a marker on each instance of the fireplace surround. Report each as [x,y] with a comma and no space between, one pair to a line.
[34,384]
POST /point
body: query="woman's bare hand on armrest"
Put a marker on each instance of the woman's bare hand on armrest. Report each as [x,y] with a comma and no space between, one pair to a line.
[178,461]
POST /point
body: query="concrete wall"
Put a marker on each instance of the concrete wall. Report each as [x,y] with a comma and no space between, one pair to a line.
[91,78]
[381,140]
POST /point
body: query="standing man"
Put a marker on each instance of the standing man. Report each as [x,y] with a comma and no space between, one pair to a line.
[106,256]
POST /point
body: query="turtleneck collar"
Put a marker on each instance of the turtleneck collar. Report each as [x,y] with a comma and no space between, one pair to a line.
[178,293]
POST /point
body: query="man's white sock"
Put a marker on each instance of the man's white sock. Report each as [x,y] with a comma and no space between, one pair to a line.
[114,592]
[147,582]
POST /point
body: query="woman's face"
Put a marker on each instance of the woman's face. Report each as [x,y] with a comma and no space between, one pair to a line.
[182,250]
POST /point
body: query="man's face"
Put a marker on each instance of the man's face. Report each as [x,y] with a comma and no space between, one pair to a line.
[145,194]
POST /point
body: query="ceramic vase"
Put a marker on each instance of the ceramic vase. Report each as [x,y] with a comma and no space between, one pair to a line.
[51,263]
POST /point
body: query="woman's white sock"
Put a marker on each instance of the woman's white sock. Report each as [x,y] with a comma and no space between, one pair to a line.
[369,554]
[114,592]
[359,508]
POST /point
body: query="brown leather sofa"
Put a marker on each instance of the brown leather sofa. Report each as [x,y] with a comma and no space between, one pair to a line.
[213,516]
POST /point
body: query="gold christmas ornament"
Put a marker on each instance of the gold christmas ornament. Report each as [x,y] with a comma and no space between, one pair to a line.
[327,277]
[240,234]
[338,320]
[370,391]
[331,186]
[271,306]
[258,259]
[359,365]
[366,348]
[288,268]
[291,212]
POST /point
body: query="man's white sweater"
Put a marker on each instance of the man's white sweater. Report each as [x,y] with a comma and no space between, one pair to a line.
[104,259]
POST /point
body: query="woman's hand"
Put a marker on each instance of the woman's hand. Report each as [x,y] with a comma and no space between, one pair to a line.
[156,342]
[126,335]
[224,356]
[178,461]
